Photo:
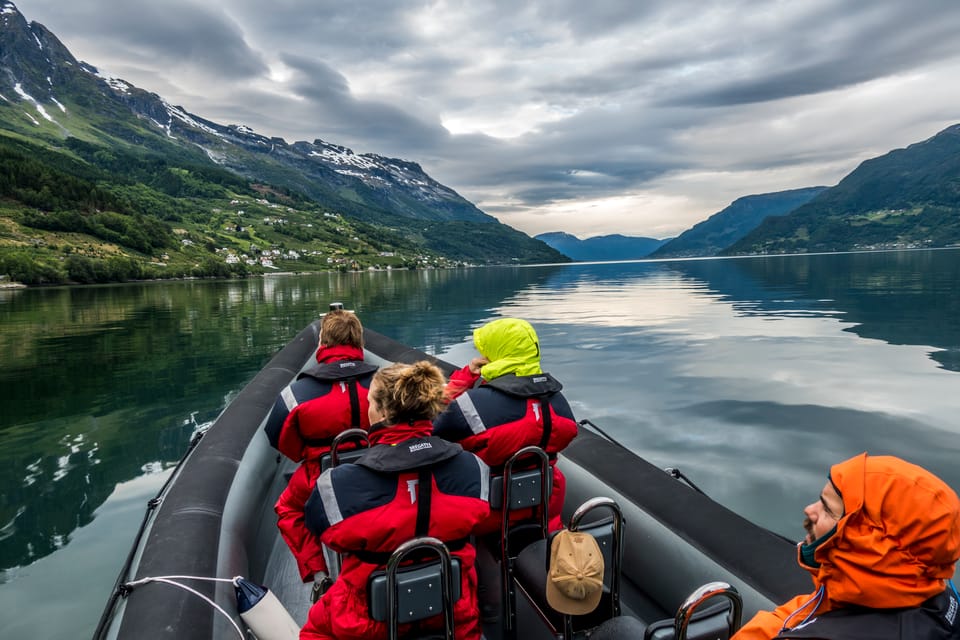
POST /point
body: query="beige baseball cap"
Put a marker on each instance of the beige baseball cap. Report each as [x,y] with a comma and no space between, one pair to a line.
[575,576]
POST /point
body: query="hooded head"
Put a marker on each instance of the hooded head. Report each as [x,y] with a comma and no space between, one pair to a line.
[511,346]
[899,538]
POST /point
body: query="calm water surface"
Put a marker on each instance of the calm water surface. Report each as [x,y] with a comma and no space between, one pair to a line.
[750,375]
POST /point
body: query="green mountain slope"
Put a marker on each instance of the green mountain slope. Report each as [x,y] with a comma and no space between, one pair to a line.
[722,229]
[906,198]
[105,181]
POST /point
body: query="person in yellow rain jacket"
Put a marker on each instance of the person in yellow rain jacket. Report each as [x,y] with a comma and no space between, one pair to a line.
[515,405]
[882,543]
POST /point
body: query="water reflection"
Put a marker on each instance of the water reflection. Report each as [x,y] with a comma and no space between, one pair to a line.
[759,374]
[102,384]
[752,375]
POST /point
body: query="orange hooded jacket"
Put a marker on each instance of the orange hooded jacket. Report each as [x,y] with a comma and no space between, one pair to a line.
[895,546]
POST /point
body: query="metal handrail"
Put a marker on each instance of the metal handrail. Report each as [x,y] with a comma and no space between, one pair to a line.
[708,591]
[506,560]
[360,435]
[617,551]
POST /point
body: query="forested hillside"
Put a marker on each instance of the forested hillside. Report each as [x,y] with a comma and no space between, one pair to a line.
[907,198]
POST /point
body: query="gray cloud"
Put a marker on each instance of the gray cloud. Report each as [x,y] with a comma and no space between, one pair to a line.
[525,107]
[830,51]
[150,33]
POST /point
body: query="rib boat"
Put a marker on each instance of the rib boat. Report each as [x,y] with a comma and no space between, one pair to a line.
[671,547]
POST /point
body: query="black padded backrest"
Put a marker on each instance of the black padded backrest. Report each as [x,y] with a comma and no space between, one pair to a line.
[418,591]
[620,628]
[602,532]
[524,489]
[712,622]
[343,457]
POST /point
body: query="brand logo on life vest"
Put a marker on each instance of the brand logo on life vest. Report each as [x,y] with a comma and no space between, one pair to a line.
[412,490]
[540,379]
[952,611]
[344,365]
[420,446]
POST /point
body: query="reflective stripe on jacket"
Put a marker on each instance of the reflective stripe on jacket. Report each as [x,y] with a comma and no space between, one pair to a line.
[367,509]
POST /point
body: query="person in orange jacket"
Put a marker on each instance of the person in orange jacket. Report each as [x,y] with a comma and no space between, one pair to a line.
[882,543]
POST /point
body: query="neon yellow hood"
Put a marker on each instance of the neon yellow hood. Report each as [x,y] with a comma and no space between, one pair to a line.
[511,346]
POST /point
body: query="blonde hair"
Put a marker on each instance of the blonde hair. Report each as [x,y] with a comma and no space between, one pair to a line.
[408,392]
[341,328]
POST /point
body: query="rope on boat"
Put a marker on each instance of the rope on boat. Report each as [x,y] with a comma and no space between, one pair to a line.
[153,503]
[586,422]
[672,471]
[127,587]
[679,475]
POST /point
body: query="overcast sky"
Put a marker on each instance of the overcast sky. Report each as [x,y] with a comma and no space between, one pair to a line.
[640,117]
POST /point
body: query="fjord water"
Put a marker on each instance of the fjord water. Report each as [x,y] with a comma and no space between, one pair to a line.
[751,375]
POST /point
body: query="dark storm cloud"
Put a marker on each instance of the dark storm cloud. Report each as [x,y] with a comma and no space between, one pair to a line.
[359,29]
[830,51]
[328,94]
[166,32]
[538,103]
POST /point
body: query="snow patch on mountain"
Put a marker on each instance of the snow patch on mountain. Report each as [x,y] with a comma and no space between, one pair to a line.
[185,117]
[165,128]
[115,83]
[36,105]
[343,156]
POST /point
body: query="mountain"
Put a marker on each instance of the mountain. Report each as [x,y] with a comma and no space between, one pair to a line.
[722,229]
[109,161]
[907,198]
[600,248]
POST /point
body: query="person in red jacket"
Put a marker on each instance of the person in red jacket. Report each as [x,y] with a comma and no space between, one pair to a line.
[323,401]
[516,405]
[882,545]
[408,484]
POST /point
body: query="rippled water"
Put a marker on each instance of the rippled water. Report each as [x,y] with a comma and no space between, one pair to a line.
[750,375]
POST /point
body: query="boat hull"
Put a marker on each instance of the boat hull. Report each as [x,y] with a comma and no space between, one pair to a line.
[216,519]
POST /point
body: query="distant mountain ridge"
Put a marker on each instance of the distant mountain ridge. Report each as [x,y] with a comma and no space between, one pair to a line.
[601,248]
[722,229]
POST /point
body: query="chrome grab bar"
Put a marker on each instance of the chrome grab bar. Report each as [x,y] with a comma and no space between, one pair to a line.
[708,592]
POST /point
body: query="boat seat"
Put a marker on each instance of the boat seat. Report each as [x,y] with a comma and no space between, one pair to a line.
[711,612]
[532,566]
[331,459]
[425,589]
[620,628]
[525,491]
[519,490]
[334,457]
[715,620]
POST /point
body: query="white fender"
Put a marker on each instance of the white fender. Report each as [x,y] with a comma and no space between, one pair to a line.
[268,619]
